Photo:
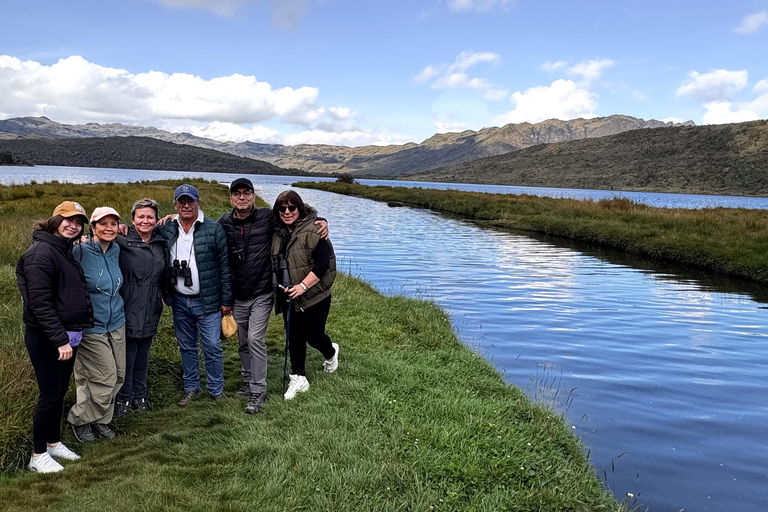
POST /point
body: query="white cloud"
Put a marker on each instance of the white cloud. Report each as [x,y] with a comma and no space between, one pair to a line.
[720,112]
[761,86]
[717,85]
[675,120]
[455,76]
[549,67]
[753,23]
[230,132]
[340,113]
[562,100]
[426,73]
[479,5]
[591,70]
[75,90]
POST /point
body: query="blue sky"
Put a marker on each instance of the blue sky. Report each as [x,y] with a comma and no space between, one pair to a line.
[357,72]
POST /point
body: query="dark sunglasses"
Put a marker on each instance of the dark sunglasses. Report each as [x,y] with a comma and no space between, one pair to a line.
[287,208]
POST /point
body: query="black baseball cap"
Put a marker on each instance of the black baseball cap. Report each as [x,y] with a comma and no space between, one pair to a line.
[241,182]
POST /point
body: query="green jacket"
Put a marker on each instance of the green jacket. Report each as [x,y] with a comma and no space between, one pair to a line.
[298,253]
[212,259]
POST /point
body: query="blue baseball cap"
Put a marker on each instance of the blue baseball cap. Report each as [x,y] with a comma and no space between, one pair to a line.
[186,190]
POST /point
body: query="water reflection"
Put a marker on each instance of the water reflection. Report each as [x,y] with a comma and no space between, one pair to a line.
[662,364]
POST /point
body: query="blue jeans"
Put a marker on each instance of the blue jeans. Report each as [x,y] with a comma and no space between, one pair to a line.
[189,319]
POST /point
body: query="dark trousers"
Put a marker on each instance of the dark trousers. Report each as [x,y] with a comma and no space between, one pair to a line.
[136,368]
[308,327]
[52,382]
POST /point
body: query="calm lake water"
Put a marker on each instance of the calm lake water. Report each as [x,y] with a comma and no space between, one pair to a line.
[661,371]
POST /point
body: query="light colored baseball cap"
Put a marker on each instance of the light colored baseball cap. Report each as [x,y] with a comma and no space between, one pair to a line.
[70,209]
[102,211]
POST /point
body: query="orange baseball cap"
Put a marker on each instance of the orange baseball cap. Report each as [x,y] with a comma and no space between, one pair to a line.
[70,209]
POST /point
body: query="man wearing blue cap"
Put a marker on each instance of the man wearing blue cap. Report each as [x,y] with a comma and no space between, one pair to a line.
[200,291]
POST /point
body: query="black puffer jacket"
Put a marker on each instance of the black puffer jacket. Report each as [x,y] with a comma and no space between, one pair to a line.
[143,267]
[249,242]
[52,286]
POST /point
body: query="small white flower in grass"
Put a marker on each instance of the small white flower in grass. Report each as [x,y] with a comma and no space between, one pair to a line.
[529,444]
[521,467]
[630,495]
[573,427]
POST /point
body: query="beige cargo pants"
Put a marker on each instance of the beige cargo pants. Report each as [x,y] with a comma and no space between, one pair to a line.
[99,375]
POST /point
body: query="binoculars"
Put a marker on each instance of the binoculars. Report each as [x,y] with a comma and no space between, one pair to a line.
[180,269]
[280,274]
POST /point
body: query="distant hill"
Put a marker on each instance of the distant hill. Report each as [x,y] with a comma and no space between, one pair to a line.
[133,153]
[6,158]
[727,159]
[437,151]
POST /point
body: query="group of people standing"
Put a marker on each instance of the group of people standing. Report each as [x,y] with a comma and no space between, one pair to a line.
[92,305]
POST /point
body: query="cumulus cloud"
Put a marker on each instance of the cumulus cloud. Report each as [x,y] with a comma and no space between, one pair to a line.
[549,67]
[753,23]
[721,112]
[231,132]
[479,5]
[564,100]
[590,71]
[228,108]
[455,76]
[717,85]
[74,89]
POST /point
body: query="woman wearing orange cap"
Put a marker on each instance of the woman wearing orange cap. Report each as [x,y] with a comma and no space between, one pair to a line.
[100,364]
[57,308]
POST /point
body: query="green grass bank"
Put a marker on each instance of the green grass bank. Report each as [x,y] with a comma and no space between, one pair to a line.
[412,420]
[731,241]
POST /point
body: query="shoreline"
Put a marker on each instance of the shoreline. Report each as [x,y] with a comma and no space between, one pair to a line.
[412,419]
[728,241]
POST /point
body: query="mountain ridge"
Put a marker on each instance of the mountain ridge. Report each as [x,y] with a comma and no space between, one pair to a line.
[436,151]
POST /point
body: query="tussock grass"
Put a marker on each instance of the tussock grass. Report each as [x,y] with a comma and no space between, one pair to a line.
[412,420]
[726,240]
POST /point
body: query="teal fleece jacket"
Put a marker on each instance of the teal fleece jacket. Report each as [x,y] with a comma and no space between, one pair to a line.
[103,279]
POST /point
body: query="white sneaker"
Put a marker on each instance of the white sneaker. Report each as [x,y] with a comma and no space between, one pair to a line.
[62,452]
[331,364]
[44,464]
[298,384]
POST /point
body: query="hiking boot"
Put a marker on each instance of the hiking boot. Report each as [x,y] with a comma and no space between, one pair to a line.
[244,391]
[62,452]
[298,384]
[140,404]
[221,397]
[122,408]
[255,401]
[43,463]
[331,364]
[103,431]
[83,433]
[188,396]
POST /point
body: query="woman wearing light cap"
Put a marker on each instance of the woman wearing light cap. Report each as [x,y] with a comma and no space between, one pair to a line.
[57,308]
[100,363]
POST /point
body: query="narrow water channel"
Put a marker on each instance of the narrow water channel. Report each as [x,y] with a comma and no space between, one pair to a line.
[661,371]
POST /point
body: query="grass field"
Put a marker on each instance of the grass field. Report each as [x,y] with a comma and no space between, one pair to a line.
[730,241]
[412,420]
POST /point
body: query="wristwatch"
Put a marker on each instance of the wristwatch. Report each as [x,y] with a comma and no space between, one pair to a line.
[303,286]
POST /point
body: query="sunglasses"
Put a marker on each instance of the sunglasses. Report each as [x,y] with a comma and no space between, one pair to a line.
[287,208]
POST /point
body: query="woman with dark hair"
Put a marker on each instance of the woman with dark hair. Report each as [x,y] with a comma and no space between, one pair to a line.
[57,308]
[100,364]
[142,262]
[312,269]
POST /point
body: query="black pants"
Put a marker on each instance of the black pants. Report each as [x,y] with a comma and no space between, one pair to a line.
[52,381]
[136,367]
[308,327]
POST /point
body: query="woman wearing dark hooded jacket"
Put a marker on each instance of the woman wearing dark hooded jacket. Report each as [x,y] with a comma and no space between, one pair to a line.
[57,308]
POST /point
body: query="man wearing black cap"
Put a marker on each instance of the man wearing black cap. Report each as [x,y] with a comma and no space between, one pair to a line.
[201,291]
[249,239]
